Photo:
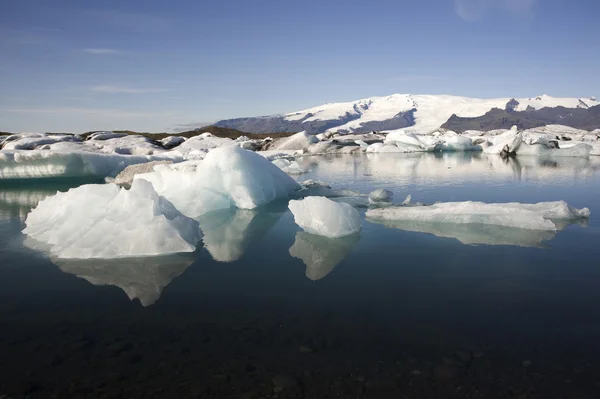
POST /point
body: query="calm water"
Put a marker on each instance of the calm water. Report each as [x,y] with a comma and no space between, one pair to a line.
[264,310]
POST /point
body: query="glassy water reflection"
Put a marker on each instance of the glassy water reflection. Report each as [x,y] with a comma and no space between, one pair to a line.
[263,308]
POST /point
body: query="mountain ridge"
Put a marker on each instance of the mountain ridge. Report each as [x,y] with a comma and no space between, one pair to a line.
[416,113]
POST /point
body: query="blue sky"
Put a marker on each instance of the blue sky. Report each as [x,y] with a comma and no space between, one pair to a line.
[152,65]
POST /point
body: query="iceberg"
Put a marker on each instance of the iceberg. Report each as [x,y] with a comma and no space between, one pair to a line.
[229,233]
[36,164]
[381,196]
[540,216]
[228,176]
[104,221]
[298,141]
[506,143]
[322,216]
[321,254]
[289,167]
[577,150]
[409,142]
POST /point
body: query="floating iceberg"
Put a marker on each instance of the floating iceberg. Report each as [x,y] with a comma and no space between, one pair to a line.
[104,221]
[538,216]
[322,216]
[37,164]
[140,278]
[507,142]
[298,141]
[228,176]
[321,254]
[228,233]
[381,197]
[409,142]
[289,167]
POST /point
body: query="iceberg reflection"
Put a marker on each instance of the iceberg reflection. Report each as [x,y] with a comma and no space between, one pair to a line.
[140,278]
[321,254]
[480,234]
[228,233]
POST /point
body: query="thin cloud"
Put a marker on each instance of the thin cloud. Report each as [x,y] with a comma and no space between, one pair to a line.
[102,51]
[110,89]
[475,10]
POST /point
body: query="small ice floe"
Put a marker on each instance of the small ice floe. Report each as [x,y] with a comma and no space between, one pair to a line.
[322,216]
[541,216]
[381,197]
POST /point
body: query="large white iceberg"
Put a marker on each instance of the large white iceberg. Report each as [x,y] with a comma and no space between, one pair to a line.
[409,142]
[321,254]
[104,221]
[538,216]
[298,141]
[322,216]
[228,176]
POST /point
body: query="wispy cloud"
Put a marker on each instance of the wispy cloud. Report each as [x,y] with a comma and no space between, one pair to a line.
[111,89]
[101,51]
[474,10]
[415,78]
[90,112]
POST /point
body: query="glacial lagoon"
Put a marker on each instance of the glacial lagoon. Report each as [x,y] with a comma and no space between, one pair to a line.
[263,308]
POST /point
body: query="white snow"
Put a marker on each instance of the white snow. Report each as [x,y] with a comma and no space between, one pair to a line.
[228,176]
[322,216]
[104,221]
[538,216]
[431,110]
[321,254]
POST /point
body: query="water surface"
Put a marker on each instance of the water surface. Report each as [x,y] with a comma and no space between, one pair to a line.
[262,309]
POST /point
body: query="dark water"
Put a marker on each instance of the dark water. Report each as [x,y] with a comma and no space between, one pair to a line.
[387,313]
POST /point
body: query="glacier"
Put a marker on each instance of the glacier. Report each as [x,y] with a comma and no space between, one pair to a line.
[322,216]
[105,221]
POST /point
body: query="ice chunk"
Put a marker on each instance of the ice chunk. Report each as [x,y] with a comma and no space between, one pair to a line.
[321,254]
[381,196]
[409,142]
[32,141]
[298,141]
[172,141]
[322,216]
[198,146]
[524,216]
[36,164]
[455,142]
[507,142]
[316,188]
[229,233]
[577,150]
[103,221]
[125,178]
[289,167]
[228,176]
[140,278]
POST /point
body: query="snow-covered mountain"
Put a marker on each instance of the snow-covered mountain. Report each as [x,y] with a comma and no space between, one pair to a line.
[416,113]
